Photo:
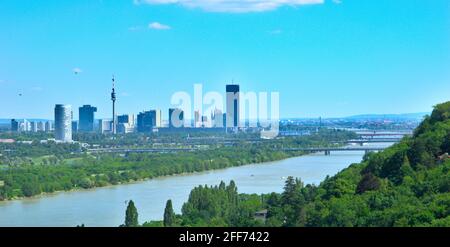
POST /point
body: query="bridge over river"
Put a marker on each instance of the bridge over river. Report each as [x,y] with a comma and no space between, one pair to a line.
[141,150]
[328,150]
[387,134]
[362,141]
[364,138]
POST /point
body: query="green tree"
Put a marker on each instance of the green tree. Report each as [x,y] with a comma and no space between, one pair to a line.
[292,201]
[169,215]
[131,215]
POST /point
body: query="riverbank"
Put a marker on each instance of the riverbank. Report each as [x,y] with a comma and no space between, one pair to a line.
[106,206]
[131,181]
[28,179]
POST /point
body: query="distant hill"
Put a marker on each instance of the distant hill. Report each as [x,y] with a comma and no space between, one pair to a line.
[405,116]
[412,116]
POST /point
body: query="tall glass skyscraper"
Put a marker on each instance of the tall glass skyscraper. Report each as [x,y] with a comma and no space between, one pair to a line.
[148,120]
[86,123]
[232,106]
[63,123]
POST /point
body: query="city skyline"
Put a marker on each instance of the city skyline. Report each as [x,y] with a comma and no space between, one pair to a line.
[326,59]
[153,118]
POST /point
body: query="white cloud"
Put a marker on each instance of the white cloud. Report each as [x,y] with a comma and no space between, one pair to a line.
[233,6]
[77,70]
[158,26]
[337,1]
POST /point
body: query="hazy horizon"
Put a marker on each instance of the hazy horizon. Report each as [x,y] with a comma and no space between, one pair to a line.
[391,115]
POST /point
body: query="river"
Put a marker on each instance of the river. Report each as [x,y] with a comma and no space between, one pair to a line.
[106,206]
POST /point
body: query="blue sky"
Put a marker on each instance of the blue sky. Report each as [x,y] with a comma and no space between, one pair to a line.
[326,58]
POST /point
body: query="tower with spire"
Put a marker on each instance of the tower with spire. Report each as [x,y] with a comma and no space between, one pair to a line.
[113,99]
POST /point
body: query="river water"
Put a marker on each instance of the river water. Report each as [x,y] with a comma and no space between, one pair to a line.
[106,206]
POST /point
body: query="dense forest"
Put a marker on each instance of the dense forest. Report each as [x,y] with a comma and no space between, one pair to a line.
[405,185]
[35,174]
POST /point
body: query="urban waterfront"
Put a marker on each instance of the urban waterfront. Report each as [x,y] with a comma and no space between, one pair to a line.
[106,206]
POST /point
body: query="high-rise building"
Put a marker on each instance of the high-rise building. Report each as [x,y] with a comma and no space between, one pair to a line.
[126,118]
[25,126]
[63,123]
[158,123]
[176,118]
[105,126]
[48,126]
[74,126]
[197,122]
[34,127]
[147,120]
[217,119]
[86,118]
[14,125]
[232,106]
[40,126]
[125,123]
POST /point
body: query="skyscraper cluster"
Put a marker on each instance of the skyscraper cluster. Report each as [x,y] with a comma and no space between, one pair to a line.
[31,126]
[146,121]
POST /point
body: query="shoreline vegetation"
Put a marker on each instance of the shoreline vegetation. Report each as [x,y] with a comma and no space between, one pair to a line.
[406,185]
[43,195]
[84,171]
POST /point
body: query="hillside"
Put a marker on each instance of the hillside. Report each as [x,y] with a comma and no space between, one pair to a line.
[405,185]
